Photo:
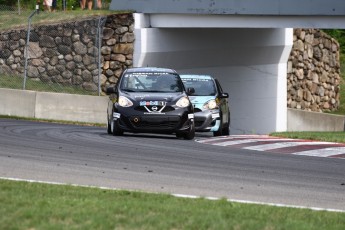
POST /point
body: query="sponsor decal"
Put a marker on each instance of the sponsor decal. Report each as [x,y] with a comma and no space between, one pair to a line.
[152,103]
[215,115]
[155,113]
[116,115]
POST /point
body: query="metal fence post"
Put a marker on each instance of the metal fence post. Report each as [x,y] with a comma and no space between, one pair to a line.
[27,45]
[99,36]
[19,7]
[64,5]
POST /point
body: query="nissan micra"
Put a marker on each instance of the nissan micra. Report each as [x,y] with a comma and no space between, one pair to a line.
[150,100]
[211,105]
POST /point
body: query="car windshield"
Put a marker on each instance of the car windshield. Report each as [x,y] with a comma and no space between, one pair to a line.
[202,86]
[151,82]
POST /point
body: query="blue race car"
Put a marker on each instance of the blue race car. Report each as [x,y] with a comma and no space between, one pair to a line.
[211,107]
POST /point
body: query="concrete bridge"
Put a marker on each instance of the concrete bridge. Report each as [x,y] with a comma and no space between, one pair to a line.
[243,43]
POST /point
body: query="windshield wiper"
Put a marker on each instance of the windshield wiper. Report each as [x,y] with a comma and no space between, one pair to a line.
[154,91]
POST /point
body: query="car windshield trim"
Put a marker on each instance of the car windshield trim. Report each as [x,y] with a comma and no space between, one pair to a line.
[151,82]
[128,90]
[202,86]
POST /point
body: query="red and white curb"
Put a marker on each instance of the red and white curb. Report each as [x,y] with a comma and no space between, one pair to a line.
[279,145]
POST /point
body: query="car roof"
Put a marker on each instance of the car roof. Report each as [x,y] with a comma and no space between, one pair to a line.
[196,76]
[150,69]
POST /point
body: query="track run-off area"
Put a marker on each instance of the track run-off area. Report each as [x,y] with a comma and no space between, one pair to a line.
[254,169]
[280,145]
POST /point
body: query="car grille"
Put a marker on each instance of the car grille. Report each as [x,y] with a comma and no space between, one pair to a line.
[199,121]
[156,122]
[143,109]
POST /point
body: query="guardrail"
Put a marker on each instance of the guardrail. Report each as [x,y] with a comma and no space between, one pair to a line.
[53,106]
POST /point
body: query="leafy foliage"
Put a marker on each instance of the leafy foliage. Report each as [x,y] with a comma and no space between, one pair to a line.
[339,35]
[10,2]
[31,3]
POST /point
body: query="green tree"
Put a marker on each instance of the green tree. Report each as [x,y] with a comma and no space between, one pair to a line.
[339,35]
[31,3]
[8,2]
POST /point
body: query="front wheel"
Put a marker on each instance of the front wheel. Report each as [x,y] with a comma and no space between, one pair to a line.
[226,129]
[116,130]
[219,132]
[189,135]
[109,128]
[223,131]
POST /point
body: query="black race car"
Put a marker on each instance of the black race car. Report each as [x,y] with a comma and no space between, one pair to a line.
[150,100]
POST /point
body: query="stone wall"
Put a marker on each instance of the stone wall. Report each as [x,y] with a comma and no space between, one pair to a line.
[67,53]
[313,72]
[68,57]
[118,47]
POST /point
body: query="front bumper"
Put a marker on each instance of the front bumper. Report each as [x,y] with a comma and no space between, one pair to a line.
[170,122]
[207,121]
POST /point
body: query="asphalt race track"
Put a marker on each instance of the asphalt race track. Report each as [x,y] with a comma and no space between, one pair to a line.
[162,163]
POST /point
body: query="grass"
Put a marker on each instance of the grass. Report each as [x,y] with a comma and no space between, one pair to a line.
[27,205]
[317,136]
[12,20]
[41,206]
[54,121]
[16,82]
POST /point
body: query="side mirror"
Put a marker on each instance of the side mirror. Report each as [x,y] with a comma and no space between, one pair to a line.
[111,90]
[190,90]
[224,95]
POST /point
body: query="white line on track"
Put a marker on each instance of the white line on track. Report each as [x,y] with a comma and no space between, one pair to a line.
[251,137]
[261,203]
[232,137]
[237,142]
[278,143]
[326,152]
[185,196]
[229,143]
[265,147]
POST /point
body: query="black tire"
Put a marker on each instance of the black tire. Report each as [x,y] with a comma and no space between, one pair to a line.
[109,128]
[179,135]
[191,134]
[116,130]
[226,129]
[221,130]
[217,133]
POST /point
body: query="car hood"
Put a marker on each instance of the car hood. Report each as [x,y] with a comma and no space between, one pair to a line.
[199,101]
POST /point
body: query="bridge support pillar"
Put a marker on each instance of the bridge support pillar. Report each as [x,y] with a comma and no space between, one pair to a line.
[250,63]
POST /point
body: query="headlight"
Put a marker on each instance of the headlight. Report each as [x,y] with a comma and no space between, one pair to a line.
[211,104]
[183,102]
[124,102]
